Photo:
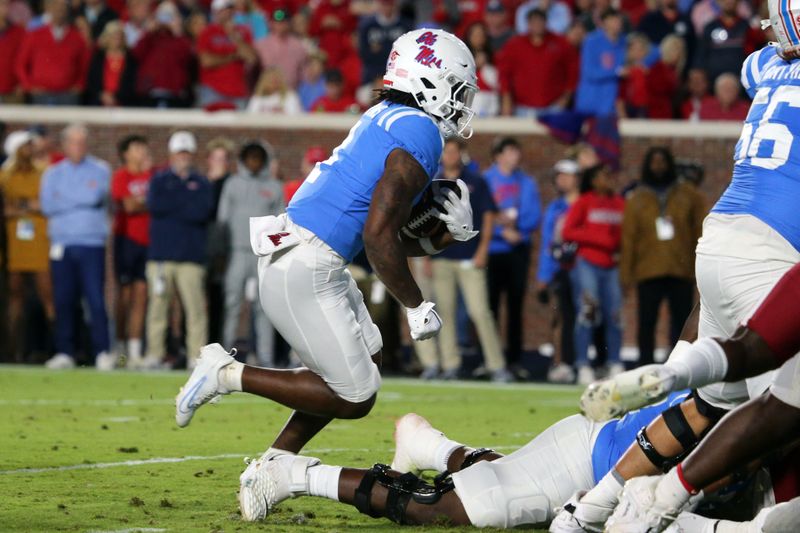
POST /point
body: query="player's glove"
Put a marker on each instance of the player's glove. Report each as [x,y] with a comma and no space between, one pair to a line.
[457,213]
[423,321]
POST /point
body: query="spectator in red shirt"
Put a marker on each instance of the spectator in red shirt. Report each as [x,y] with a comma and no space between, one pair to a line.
[331,21]
[11,37]
[166,60]
[696,90]
[633,86]
[663,78]
[594,223]
[112,71]
[225,50]
[52,60]
[129,186]
[538,71]
[726,104]
[335,100]
[282,49]
[313,155]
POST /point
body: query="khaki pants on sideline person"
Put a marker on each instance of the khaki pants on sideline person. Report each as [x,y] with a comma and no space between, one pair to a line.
[163,277]
[448,276]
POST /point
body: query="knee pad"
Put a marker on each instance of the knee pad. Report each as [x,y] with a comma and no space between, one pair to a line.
[401,490]
[714,414]
[680,429]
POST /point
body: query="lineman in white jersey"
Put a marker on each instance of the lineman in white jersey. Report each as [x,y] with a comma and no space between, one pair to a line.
[358,198]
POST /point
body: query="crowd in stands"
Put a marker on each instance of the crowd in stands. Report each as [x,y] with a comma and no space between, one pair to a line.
[184,274]
[657,59]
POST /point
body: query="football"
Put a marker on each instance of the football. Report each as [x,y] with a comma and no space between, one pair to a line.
[422,222]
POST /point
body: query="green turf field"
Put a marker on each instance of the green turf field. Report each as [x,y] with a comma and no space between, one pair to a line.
[84,451]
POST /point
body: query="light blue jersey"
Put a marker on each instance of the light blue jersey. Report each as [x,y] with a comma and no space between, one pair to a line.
[766,176]
[333,201]
[617,435]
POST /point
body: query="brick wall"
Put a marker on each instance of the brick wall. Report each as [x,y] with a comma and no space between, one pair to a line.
[540,152]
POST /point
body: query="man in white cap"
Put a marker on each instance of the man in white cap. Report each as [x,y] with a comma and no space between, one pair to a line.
[225,51]
[180,203]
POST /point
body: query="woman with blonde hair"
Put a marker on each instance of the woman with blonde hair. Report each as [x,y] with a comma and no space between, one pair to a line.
[111,79]
[26,234]
[273,96]
[664,78]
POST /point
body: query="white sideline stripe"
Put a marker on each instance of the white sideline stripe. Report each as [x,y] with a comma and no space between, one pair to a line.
[170,460]
[131,530]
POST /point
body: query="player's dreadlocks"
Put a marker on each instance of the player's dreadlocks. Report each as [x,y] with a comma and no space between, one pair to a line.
[396,97]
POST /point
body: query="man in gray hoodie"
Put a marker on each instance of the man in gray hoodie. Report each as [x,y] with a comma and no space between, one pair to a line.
[251,192]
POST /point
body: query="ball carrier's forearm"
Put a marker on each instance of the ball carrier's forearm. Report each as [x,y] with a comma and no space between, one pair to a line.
[403,179]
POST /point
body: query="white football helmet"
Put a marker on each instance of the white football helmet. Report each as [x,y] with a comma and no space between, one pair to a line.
[785,22]
[438,70]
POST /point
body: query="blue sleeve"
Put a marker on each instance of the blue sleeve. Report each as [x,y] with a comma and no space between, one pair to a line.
[47,197]
[592,68]
[56,199]
[653,57]
[753,67]
[417,134]
[530,209]
[548,266]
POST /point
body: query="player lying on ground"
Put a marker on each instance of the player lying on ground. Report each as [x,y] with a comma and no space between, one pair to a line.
[765,342]
[360,197]
[756,429]
[485,489]
[770,337]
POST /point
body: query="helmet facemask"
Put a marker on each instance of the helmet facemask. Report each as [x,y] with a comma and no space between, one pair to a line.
[453,110]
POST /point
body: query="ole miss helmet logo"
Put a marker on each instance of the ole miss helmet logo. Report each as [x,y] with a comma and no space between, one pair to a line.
[427,56]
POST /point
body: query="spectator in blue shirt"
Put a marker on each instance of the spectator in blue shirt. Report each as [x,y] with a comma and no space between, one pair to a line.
[555,261]
[75,198]
[463,266]
[312,84]
[180,202]
[602,64]
[376,34]
[517,199]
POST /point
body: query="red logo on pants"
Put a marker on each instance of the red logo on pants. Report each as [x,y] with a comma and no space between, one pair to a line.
[276,238]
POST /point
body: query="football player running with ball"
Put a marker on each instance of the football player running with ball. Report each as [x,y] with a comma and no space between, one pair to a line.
[361,197]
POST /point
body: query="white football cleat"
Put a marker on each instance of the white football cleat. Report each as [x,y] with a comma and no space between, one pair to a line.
[576,517]
[203,384]
[105,362]
[253,464]
[270,482]
[615,396]
[60,361]
[415,444]
[638,510]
